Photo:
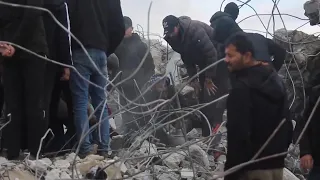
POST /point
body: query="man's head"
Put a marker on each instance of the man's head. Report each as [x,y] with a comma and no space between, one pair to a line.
[128,26]
[232,9]
[239,52]
[171,26]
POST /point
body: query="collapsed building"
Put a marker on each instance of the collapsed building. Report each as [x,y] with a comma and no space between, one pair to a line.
[184,155]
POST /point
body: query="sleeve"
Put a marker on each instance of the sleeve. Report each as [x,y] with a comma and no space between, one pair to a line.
[29,21]
[203,42]
[64,37]
[116,29]
[239,127]
[278,53]
[191,69]
[305,141]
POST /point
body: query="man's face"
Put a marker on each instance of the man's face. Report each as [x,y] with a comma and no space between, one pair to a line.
[235,60]
[174,33]
[128,32]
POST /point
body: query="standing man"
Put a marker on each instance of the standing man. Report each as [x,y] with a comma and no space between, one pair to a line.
[310,144]
[23,77]
[130,53]
[90,23]
[193,40]
[256,105]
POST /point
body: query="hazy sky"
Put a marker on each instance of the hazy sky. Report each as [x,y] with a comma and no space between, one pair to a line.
[203,9]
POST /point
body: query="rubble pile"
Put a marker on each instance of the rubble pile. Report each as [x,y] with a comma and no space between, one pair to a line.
[302,64]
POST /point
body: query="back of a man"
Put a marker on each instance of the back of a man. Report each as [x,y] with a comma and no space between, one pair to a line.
[256,105]
[89,23]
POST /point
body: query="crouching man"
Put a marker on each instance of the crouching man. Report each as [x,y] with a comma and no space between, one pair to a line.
[256,105]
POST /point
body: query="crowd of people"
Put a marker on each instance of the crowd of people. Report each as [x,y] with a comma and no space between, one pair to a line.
[34,89]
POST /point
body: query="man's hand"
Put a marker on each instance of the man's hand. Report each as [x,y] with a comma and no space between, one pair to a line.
[211,88]
[196,86]
[7,50]
[306,162]
[65,75]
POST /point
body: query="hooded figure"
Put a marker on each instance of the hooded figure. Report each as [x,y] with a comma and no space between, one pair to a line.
[232,9]
[131,52]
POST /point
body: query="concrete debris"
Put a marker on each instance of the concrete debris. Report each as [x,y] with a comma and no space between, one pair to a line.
[146,161]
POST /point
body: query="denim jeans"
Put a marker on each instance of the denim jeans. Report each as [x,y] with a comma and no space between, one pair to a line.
[80,95]
[314,174]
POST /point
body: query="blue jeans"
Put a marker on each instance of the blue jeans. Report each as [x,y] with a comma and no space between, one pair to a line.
[80,95]
[314,174]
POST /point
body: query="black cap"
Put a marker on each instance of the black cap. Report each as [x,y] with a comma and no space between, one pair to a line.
[127,22]
[169,23]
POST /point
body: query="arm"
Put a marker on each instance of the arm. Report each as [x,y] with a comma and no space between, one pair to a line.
[204,44]
[278,53]
[64,43]
[239,127]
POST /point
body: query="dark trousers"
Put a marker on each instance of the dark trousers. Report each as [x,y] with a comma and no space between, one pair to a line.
[23,80]
[56,88]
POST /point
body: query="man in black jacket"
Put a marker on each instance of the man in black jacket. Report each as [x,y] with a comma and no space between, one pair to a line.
[225,26]
[130,53]
[310,144]
[194,41]
[23,77]
[256,105]
[57,77]
[90,23]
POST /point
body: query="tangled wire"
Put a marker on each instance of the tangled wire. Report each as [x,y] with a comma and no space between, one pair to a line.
[158,104]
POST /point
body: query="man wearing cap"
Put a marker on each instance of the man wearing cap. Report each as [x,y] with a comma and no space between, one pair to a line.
[193,40]
[131,52]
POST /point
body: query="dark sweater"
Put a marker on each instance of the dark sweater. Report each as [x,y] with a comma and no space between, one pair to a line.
[256,105]
[23,26]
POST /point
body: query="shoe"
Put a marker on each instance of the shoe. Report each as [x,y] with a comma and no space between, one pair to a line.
[106,155]
[93,151]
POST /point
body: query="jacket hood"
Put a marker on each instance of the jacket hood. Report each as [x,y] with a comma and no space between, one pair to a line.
[218,15]
[185,21]
[266,80]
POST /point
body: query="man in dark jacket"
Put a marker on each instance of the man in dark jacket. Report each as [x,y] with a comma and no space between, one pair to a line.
[256,105]
[309,144]
[90,25]
[193,40]
[23,77]
[130,53]
[224,25]
[59,43]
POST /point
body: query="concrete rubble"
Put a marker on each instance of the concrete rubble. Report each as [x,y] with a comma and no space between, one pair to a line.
[187,161]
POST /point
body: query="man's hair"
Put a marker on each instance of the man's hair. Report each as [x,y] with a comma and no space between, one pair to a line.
[241,42]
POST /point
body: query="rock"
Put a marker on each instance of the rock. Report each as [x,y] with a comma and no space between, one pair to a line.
[173,160]
[287,175]
[20,175]
[306,64]
[38,165]
[71,157]
[168,176]
[65,175]
[187,173]
[62,164]
[5,163]
[53,174]
[94,157]
[199,155]
[84,167]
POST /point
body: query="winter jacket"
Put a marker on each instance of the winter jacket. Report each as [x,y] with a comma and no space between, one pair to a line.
[224,26]
[310,143]
[256,105]
[266,48]
[130,53]
[23,26]
[90,22]
[59,41]
[195,46]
